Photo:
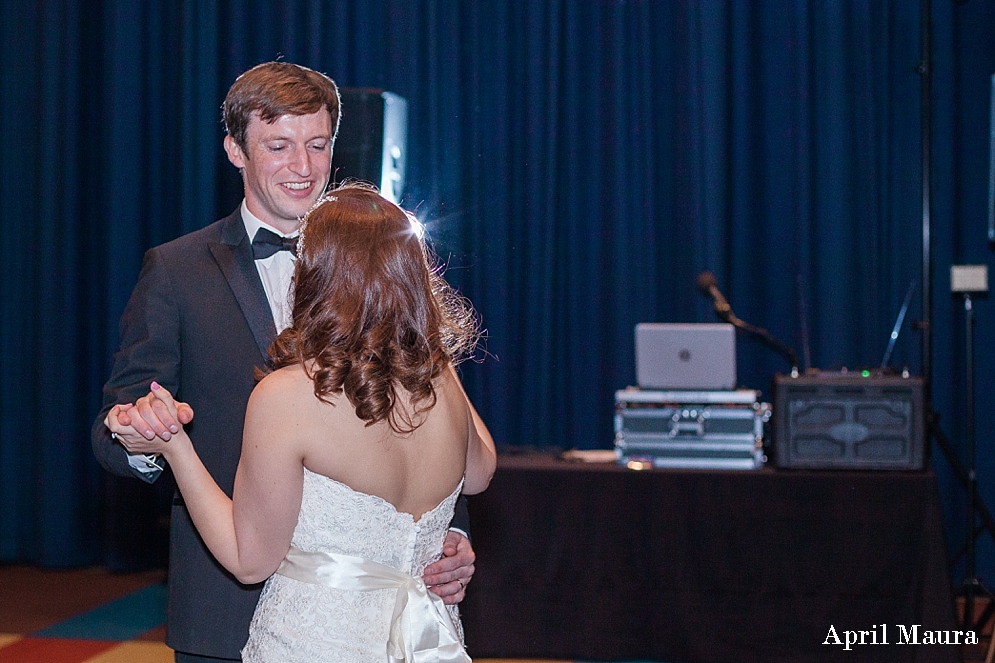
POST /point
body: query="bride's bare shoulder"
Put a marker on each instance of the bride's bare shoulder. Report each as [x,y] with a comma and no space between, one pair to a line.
[284,385]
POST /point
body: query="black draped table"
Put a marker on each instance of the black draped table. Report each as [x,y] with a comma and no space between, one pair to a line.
[597,562]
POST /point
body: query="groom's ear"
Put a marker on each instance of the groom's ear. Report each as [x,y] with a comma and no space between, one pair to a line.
[235,153]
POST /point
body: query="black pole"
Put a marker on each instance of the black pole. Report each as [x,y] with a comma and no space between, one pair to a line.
[971,583]
[926,93]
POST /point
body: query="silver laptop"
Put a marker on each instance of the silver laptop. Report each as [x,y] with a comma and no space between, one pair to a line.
[685,356]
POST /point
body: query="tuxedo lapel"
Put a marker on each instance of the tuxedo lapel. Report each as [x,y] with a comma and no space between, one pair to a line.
[234,256]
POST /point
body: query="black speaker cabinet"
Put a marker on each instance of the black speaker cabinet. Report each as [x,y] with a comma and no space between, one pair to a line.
[848,421]
[372,143]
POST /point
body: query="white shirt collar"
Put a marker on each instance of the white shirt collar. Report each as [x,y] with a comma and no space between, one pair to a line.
[253,223]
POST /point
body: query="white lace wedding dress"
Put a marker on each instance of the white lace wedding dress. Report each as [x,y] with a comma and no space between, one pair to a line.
[349,539]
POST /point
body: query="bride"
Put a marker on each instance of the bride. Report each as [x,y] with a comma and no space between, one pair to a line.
[356,447]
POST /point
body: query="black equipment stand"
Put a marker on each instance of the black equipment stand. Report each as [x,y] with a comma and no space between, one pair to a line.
[972,584]
[976,507]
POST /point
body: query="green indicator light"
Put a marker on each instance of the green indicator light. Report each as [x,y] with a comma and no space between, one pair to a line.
[866,373]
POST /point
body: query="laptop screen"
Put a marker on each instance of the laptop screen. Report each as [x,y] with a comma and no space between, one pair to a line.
[685,356]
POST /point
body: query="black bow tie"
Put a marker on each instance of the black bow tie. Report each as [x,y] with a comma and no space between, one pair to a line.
[266,243]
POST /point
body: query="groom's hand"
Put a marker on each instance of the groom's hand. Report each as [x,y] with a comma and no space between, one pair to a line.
[450,575]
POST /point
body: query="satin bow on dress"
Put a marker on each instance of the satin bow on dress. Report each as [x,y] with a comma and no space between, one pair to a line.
[421,630]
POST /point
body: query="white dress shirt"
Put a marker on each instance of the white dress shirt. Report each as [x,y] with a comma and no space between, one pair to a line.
[276,272]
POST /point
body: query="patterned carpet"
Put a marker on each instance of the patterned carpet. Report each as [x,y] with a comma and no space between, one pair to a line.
[82,615]
[87,616]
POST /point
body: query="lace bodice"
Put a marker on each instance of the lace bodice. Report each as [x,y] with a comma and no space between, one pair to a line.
[297,621]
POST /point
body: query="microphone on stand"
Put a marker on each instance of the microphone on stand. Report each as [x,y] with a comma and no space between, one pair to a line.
[710,288]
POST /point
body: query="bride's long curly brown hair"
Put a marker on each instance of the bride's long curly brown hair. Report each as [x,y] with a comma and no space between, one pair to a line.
[371,311]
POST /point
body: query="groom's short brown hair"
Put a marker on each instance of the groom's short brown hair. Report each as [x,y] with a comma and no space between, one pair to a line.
[275,89]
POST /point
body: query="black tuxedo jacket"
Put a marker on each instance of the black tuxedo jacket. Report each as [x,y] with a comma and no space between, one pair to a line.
[197,322]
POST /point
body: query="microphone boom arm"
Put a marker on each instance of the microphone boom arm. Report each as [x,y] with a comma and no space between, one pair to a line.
[767,338]
[709,287]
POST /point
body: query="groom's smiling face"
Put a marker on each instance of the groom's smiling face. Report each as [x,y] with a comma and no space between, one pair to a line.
[285,167]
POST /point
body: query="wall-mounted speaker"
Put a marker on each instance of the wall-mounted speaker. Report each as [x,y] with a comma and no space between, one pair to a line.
[372,143]
[832,420]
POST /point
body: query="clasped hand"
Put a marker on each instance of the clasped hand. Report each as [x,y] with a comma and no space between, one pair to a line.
[147,425]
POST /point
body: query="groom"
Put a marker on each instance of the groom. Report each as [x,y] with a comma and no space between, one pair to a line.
[206,308]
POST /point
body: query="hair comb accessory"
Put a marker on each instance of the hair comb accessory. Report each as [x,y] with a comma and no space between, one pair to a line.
[300,238]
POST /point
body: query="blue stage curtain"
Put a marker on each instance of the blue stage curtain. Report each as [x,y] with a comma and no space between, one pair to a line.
[578,164]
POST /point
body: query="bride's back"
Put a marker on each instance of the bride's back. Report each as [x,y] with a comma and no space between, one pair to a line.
[376,405]
[414,471]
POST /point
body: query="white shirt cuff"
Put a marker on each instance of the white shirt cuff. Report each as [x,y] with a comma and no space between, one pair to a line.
[145,463]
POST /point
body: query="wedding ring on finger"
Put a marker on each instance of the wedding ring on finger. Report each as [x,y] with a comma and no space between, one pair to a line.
[462,585]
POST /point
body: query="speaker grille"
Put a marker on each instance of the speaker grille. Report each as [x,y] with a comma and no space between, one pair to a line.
[834,421]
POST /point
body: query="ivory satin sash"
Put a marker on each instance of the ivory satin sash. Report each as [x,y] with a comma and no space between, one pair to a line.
[421,630]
